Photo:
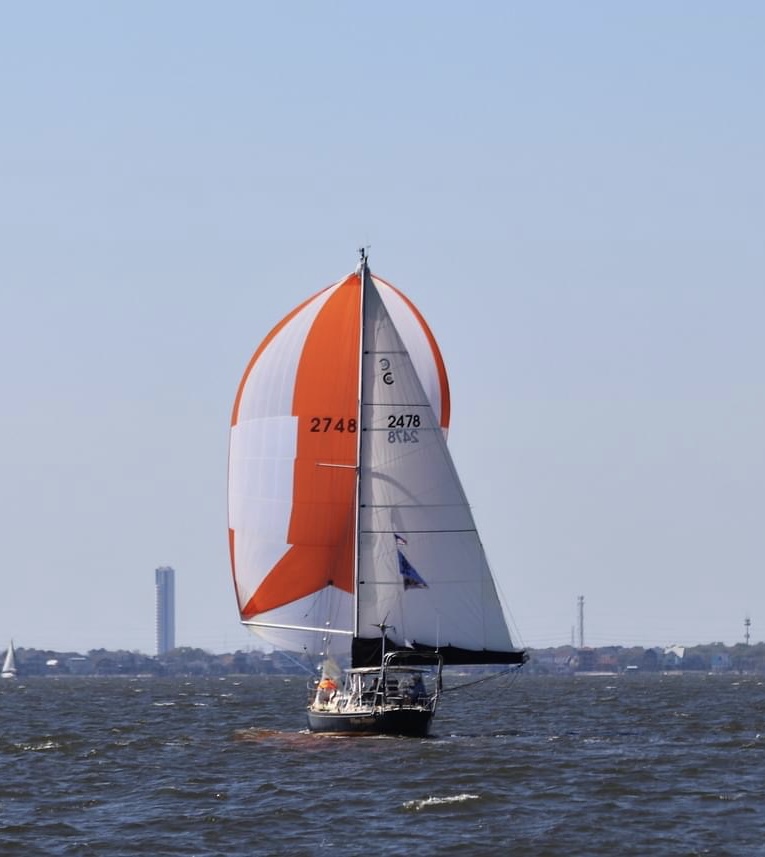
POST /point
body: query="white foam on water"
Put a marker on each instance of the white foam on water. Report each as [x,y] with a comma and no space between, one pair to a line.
[433,800]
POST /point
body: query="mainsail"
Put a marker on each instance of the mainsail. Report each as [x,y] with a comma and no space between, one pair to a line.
[9,669]
[346,514]
[422,569]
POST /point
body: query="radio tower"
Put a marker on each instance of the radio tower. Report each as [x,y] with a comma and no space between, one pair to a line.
[747,623]
[580,601]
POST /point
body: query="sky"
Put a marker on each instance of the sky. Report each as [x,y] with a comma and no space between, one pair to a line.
[572,193]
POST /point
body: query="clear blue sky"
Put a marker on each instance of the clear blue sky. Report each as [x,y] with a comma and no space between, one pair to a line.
[573,194]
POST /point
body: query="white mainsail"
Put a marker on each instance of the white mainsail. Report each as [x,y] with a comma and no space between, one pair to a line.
[9,664]
[423,570]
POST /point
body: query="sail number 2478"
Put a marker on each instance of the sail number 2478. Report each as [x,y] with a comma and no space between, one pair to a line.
[402,428]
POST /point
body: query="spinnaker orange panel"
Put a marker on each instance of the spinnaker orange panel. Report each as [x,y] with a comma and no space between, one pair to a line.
[326,405]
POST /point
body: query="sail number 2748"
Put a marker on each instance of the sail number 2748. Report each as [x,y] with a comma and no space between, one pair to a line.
[325,424]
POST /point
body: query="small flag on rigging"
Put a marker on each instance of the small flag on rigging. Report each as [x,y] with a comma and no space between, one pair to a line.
[412,579]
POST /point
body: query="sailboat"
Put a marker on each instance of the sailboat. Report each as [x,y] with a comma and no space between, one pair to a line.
[9,664]
[350,535]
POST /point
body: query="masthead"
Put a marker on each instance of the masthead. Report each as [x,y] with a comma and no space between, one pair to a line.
[363,257]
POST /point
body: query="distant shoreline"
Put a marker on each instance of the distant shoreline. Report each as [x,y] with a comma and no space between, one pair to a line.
[561,660]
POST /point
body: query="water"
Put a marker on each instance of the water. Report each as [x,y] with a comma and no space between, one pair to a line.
[637,765]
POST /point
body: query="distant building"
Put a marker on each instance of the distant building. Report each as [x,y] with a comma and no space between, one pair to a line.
[721,661]
[586,660]
[165,581]
[674,657]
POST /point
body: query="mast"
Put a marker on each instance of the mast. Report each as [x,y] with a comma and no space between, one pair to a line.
[363,270]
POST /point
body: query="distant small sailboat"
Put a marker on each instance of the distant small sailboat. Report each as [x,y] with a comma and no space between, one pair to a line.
[9,664]
[349,531]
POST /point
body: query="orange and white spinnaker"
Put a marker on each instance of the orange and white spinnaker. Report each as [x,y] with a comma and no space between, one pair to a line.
[294,460]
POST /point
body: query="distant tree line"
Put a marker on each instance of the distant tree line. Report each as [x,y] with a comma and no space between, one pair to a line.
[184,661]
[562,660]
[708,657]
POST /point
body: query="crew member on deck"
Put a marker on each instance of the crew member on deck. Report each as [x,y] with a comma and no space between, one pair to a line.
[327,688]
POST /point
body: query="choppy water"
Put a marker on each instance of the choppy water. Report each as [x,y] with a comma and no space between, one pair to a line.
[639,765]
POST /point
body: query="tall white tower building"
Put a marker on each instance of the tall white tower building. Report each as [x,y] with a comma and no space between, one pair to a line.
[165,580]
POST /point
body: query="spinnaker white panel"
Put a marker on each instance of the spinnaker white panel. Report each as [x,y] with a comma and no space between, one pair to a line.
[261,460]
